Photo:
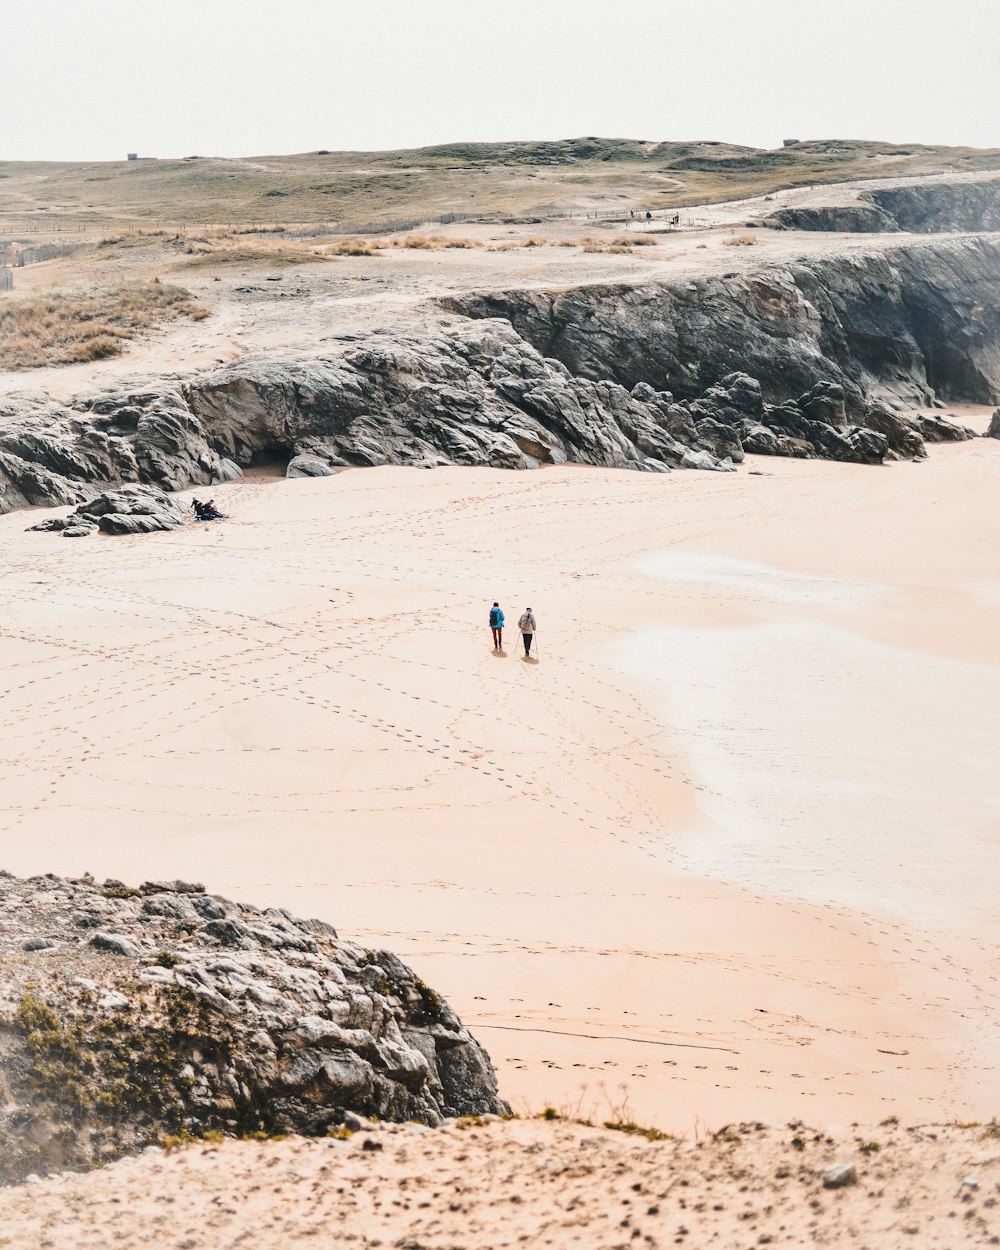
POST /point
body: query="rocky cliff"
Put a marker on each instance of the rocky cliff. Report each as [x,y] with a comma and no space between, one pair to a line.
[904,324]
[128,1014]
[781,359]
[834,218]
[939,207]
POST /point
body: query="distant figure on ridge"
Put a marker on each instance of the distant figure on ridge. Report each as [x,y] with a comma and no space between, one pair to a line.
[527,625]
[496,625]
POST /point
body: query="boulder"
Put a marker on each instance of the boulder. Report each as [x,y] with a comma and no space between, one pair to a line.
[251,1022]
[309,466]
[52,524]
[825,403]
[131,510]
[839,1175]
[993,429]
[79,527]
[902,433]
[941,429]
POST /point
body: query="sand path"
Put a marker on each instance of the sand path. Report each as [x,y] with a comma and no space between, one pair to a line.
[300,707]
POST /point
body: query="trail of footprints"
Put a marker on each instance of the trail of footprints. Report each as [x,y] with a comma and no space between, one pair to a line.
[293,666]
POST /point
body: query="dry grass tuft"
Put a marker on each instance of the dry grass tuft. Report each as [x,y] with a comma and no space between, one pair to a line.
[65,327]
[434,242]
[740,240]
[514,245]
[205,256]
[635,240]
[353,247]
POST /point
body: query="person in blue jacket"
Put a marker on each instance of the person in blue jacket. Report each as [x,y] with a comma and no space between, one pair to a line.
[496,625]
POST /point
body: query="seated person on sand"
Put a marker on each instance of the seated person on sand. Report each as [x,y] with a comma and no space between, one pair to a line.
[206,511]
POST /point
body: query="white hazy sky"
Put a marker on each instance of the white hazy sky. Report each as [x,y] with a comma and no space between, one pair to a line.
[92,79]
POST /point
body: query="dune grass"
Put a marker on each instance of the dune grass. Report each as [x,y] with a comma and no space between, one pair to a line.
[432,242]
[353,247]
[225,247]
[66,327]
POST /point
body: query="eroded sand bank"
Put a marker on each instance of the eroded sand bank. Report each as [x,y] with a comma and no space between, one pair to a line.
[662,896]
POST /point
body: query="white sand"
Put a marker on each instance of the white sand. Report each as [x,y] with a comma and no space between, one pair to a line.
[529,1184]
[756,886]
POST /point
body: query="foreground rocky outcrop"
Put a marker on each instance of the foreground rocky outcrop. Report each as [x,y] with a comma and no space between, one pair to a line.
[128,1014]
[483,1183]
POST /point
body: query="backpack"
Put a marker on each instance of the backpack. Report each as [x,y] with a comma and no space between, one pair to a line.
[524,621]
[494,618]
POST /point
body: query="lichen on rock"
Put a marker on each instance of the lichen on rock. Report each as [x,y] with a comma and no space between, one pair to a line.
[128,1015]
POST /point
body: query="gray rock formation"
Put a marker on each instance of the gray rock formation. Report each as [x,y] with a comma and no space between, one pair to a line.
[845,218]
[474,393]
[941,206]
[128,1014]
[966,206]
[131,510]
[630,376]
[124,510]
[902,325]
[993,430]
[937,428]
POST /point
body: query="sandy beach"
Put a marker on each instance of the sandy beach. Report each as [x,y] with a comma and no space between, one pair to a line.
[533,1183]
[726,851]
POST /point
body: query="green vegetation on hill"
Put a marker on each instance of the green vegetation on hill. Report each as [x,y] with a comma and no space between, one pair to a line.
[478,179]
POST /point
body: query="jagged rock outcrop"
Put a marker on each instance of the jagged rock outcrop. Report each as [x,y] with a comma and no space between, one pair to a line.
[937,428]
[474,393]
[993,429]
[971,204]
[907,325]
[127,1014]
[836,218]
[124,510]
[967,206]
[620,376]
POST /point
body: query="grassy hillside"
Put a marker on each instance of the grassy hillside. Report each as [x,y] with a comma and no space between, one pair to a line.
[573,175]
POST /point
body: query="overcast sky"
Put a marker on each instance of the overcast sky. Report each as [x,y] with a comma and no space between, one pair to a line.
[92,79]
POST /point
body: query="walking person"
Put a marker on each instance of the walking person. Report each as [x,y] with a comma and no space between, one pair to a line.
[496,625]
[527,625]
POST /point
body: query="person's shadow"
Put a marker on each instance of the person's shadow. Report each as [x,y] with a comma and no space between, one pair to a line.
[499,653]
[530,659]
